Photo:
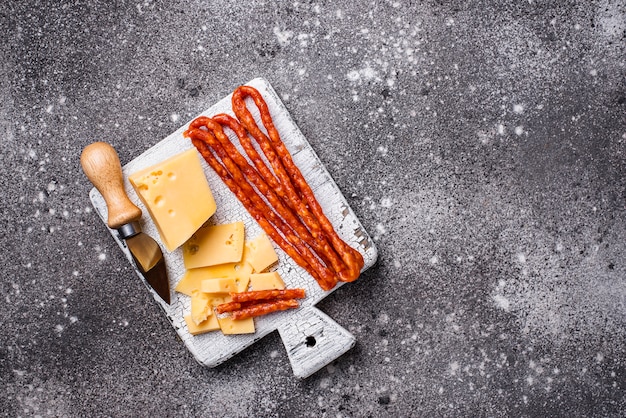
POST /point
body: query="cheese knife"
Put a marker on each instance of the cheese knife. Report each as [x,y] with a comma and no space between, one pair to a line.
[102,166]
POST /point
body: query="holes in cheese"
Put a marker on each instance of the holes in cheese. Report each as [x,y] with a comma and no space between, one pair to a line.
[260,253]
[242,282]
[211,324]
[215,244]
[222,285]
[180,202]
[236,326]
[266,281]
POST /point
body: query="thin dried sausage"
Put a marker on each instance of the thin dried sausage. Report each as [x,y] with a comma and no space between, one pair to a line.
[264,308]
[257,295]
[290,176]
[232,176]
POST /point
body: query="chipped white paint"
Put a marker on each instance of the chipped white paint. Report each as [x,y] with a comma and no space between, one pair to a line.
[311,338]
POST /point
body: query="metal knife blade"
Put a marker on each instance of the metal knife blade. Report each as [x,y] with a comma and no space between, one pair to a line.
[102,166]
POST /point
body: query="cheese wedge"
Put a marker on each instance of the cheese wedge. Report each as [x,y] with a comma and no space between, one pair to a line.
[211,324]
[215,244]
[260,253]
[266,281]
[236,326]
[177,196]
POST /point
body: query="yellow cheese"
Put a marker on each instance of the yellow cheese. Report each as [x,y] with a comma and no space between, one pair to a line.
[201,307]
[260,253]
[216,244]
[266,281]
[242,283]
[177,195]
[218,298]
[238,326]
[222,285]
[210,324]
[193,278]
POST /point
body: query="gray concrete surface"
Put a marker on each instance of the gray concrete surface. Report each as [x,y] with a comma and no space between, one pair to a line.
[481,143]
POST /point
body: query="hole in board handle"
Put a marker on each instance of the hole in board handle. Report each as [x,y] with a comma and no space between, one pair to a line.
[310,341]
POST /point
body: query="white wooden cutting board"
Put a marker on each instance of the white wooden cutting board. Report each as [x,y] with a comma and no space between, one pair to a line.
[311,338]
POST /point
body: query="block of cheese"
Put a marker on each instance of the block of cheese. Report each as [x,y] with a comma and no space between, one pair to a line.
[201,307]
[177,196]
[215,244]
[221,285]
[260,253]
[211,324]
[266,281]
[236,326]
[193,278]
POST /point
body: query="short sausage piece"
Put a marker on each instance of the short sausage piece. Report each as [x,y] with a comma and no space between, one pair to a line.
[262,295]
[263,308]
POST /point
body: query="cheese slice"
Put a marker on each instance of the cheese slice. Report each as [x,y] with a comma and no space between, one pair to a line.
[266,281]
[221,285]
[193,278]
[211,324]
[216,244]
[177,196]
[260,253]
[236,326]
[201,307]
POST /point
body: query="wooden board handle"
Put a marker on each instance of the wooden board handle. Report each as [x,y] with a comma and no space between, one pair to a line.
[102,166]
[313,340]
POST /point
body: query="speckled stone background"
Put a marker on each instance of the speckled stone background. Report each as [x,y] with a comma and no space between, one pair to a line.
[482,144]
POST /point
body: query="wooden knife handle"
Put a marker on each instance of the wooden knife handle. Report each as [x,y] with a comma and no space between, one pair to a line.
[102,166]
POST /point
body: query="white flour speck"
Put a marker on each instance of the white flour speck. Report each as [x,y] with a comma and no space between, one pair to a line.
[283,37]
[454,366]
[353,75]
[518,108]
[519,130]
[502,302]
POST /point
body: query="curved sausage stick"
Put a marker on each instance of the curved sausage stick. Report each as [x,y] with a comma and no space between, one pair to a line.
[231,175]
[321,246]
[287,171]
